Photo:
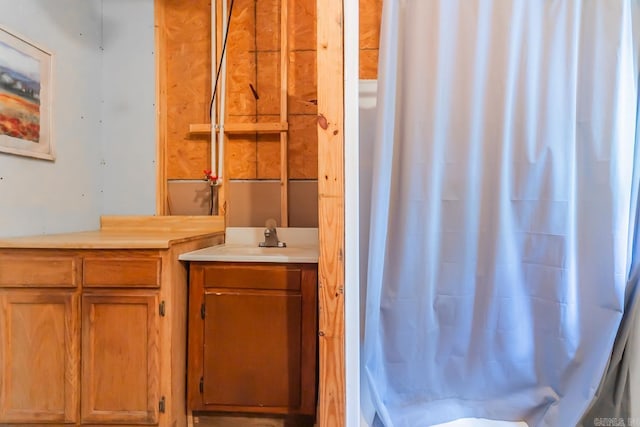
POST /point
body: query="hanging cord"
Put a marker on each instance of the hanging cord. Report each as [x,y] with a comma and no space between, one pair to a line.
[213,97]
[224,48]
[211,199]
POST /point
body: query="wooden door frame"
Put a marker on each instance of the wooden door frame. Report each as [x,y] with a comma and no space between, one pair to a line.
[332,393]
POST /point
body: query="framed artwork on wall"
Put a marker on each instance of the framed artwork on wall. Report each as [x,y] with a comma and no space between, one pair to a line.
[25,98]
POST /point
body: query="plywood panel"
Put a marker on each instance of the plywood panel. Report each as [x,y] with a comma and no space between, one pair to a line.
[188,47]
[368,63]
[268,156]
[253,59]
[188,23]
[268,87]
[267,25]
[303,147]
[241,158]
[240,152]
[242,74]
[252,62]
[253,155]
[302,25]
[302,83]
[241,60]
[370,15]
[242,31]
[186,159]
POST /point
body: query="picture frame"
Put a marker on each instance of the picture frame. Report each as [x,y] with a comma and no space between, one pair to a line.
[25,97]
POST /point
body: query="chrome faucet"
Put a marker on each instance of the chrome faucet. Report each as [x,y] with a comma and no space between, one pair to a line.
[271,237]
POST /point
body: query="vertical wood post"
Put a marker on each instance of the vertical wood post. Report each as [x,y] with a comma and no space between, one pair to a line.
[161,106]
[284,103]
[330,71]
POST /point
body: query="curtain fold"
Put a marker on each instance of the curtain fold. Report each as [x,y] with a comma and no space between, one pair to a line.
[503,209]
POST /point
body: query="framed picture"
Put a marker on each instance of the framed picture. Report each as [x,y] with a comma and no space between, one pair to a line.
[25,98]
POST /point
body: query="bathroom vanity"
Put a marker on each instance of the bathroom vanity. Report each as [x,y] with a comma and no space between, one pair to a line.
[93,324]
[253,325]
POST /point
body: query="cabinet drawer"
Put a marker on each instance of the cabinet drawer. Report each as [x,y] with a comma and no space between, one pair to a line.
[248,276]
[122,272]
[59,272]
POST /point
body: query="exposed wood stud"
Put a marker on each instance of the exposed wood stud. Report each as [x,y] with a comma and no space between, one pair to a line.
[284,102]
[331,395]
[161,107]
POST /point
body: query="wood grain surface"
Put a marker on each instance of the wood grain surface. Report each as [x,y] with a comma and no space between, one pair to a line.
[331,212]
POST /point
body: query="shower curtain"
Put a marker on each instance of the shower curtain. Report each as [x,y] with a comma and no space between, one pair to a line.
[503,209]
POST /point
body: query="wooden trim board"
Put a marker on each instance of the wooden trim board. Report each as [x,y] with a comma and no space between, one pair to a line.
[161,107]
[196,223]
[242,127]
[284,102]
[331,270]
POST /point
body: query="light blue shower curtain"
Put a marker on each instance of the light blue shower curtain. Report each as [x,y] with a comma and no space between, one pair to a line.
[503,207]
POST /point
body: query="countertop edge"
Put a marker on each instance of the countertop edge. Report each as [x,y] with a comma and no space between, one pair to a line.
[158,243]
[129,235]
[254,259]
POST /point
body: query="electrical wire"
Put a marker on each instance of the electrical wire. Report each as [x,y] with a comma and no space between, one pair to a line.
[224,48]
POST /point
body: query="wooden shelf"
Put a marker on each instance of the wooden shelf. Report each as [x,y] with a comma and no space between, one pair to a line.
[241,128]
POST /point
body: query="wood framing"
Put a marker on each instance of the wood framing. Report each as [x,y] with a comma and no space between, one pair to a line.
[330,63]
[284,102]
[161,109]
[181,46]
[242,128]
[299,161]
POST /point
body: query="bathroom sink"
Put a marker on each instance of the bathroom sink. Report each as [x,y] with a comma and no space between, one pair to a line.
[245,253]
[242,246]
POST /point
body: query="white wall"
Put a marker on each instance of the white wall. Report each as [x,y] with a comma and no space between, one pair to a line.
[38,196]
[128,111]
[103,116]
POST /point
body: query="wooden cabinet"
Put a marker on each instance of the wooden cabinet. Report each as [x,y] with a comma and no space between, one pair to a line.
[95,336]
[38,356]
[252,342]
[120,355]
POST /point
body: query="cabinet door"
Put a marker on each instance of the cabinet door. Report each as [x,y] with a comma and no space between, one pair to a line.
[252,349]
[39,356]
[120,371]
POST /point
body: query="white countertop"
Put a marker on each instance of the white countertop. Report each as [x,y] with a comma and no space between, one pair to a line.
[241,245]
